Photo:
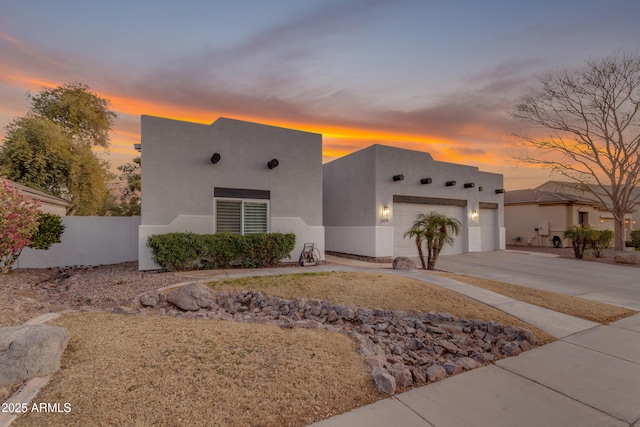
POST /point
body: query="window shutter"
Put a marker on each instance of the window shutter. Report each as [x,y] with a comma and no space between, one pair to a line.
[255,217]
[228,216]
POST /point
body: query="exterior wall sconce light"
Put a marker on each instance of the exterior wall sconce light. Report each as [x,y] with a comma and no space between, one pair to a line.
[398,177]
[273,163]
[601,220]
[474,215]
[450,183]
[386,213]
[137,147]
[470,185]
[500,191]
[215,158]
[425,181]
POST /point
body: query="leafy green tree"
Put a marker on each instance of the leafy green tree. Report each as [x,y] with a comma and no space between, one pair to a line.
[50,229]
[130,197]
[82,114]
[18,222]
[50,148]
[436,230]
[586,126]
[580,238]
[88,177]
[36,153]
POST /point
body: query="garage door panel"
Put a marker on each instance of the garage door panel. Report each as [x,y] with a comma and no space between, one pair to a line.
[488,229]
[404,214]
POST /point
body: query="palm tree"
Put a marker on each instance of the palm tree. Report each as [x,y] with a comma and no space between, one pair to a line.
[417,231]
[437,230]
[580,237]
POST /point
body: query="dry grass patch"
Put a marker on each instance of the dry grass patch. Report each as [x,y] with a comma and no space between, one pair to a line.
[149,370]
[375,290]
[574,306]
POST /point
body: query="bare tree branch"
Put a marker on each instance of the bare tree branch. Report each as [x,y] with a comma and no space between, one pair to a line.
[591,118]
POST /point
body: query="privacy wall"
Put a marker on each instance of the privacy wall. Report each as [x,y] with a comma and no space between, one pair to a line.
[88,240]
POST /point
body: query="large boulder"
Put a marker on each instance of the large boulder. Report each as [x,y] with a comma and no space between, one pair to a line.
[28,351]
[192,297]
[627,258]
[403,263]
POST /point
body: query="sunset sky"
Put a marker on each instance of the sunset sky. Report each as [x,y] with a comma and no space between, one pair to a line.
[434,76]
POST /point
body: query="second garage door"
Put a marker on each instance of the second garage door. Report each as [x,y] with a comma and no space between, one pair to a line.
[489,229]
[404,214]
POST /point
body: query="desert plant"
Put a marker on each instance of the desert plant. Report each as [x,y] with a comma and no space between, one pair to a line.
[18,222]
[436,230]
[580,237]
[50,229]
[635,239]
[600,241]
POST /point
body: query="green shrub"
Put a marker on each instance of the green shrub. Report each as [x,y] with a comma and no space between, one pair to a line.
[176,251]
[189,251]
[600,241]
[635,239]
[50,229]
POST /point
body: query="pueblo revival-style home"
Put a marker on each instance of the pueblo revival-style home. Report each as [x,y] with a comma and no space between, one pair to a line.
[232,176]
[244,177]
[372,196]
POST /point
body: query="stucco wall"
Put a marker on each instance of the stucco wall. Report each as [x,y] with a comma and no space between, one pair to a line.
[178,178]
[358,186]
[88,240]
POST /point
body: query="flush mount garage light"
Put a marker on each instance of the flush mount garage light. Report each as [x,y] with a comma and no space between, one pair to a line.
[273,163]
[215,158]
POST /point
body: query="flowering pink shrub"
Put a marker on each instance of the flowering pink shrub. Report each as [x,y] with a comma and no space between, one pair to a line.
[18,222]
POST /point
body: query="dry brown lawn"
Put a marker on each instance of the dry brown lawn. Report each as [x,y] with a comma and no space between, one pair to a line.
[150,370]
[139,371]
[574,306]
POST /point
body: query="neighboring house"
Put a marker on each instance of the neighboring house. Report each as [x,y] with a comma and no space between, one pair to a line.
[372,196]
[535,217]
[48,203]
[578,190]
[231,176]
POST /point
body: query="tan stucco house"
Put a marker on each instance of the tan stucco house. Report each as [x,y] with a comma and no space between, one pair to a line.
[48,203]
[535,217]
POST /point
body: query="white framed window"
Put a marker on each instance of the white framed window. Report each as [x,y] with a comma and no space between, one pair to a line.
[241,216]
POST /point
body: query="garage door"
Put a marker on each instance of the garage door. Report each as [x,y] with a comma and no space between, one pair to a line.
[404,214]
[488,229]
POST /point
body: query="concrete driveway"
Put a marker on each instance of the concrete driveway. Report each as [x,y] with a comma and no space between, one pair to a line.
[613,284]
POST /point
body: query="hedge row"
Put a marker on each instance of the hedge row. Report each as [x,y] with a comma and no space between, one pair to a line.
[190,251]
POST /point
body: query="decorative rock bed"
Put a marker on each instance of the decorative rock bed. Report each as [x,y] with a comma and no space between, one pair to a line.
[403,348]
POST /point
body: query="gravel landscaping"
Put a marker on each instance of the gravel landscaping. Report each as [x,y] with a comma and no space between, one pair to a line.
[26,293]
